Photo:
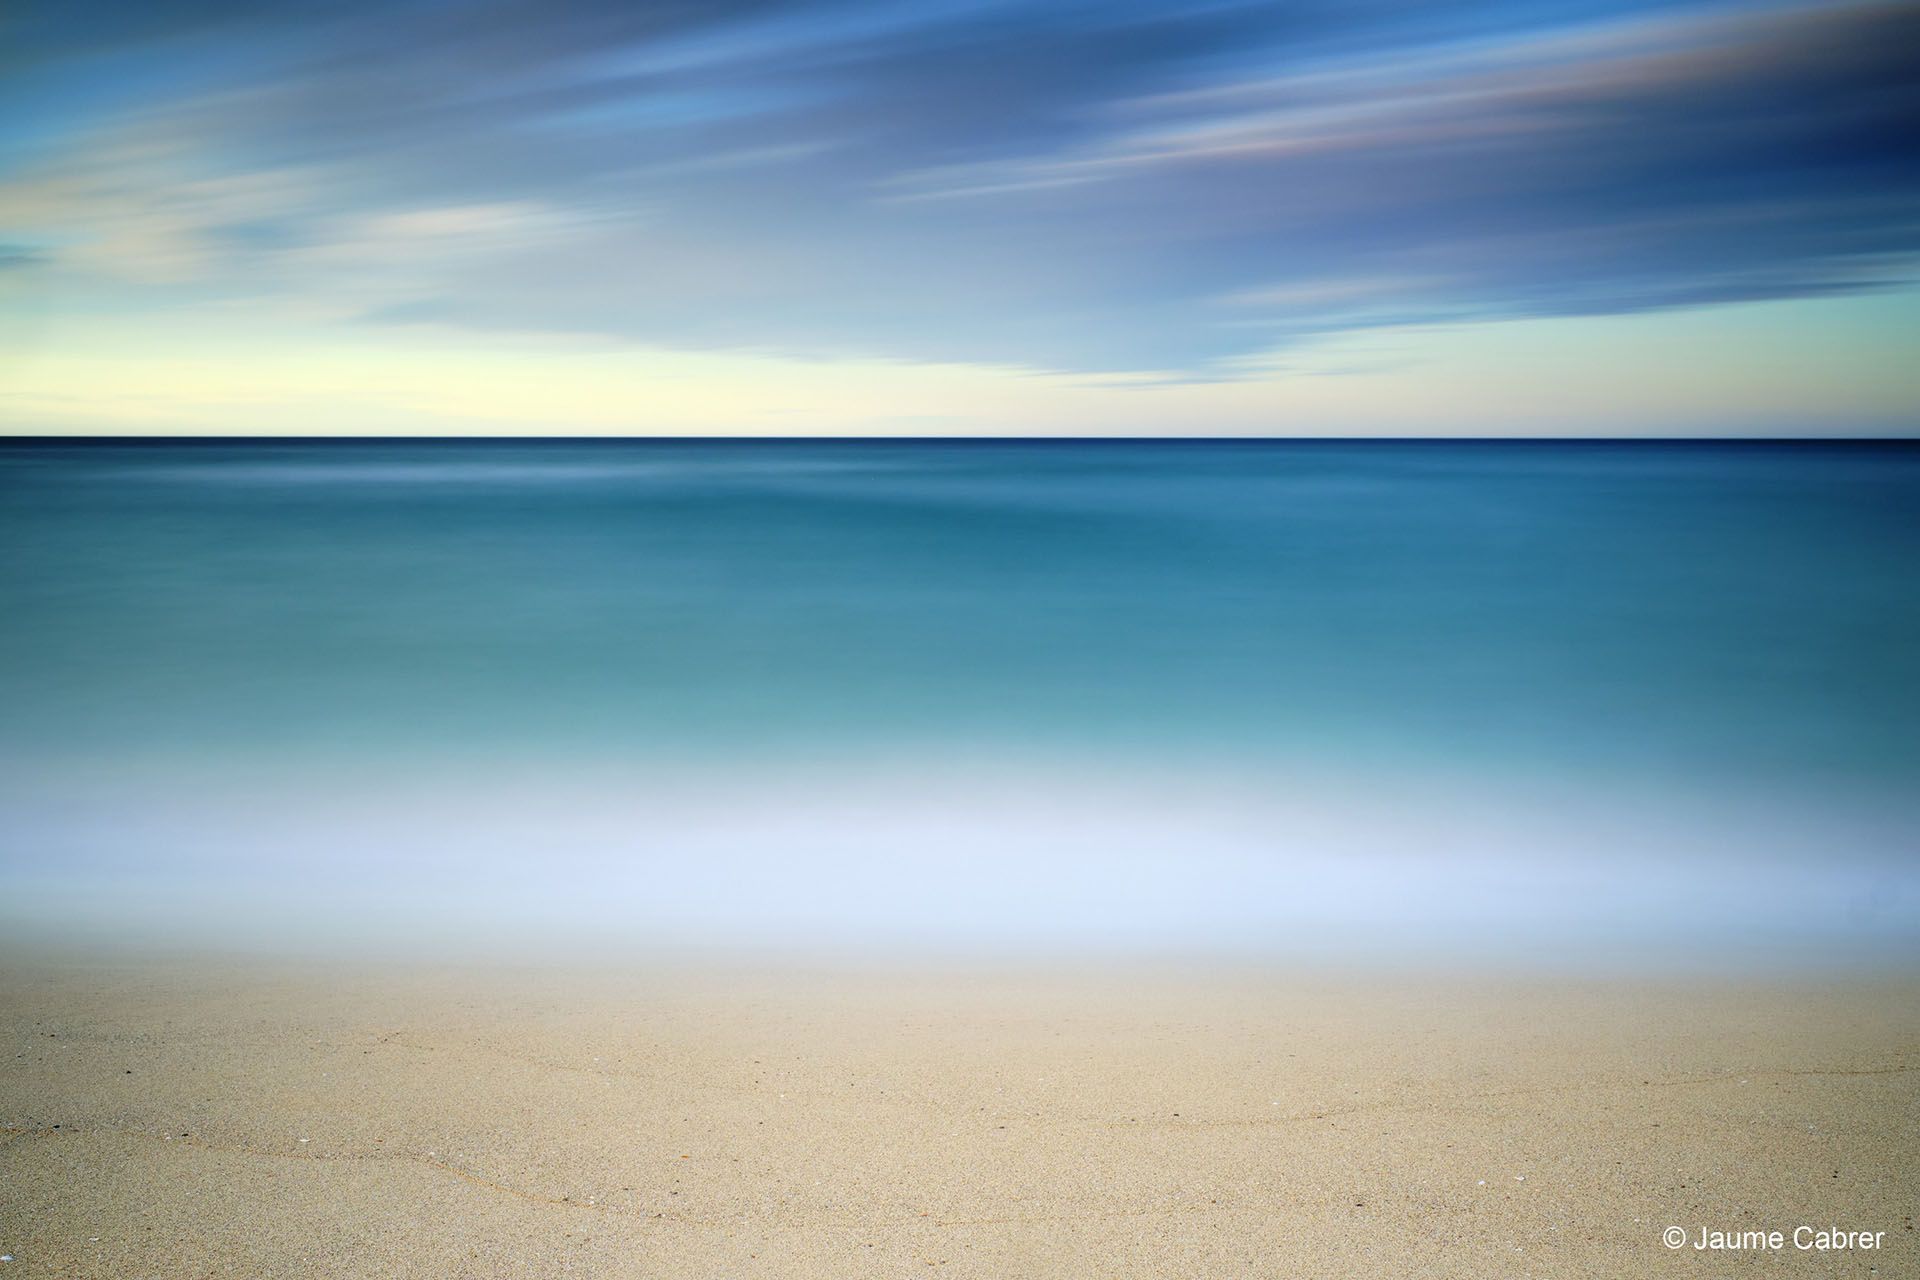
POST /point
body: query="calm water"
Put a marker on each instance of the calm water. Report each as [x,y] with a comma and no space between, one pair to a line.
[1602,700]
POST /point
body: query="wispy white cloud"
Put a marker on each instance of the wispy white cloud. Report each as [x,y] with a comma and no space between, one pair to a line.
[1072,187]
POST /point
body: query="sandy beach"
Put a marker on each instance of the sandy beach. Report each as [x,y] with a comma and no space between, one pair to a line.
[173,1118]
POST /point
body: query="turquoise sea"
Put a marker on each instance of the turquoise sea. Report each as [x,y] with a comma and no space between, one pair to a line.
[1613,703]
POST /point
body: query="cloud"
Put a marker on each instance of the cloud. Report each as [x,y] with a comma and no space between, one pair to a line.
[1084,187]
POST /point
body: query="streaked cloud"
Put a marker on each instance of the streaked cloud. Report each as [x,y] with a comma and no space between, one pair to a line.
[1138,189]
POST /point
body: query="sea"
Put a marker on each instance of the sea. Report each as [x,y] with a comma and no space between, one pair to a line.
[1511,702]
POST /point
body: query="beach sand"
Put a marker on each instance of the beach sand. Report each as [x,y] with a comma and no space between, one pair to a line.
[204,1118]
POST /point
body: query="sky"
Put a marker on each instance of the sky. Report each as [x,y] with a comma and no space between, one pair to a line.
[959,216]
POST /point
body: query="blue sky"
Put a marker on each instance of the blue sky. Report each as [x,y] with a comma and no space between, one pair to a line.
[945,216]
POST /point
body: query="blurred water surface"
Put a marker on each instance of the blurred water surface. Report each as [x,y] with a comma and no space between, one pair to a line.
[1295,694]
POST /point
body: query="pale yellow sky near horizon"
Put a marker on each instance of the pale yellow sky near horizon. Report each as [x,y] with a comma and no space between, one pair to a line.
[1830,366]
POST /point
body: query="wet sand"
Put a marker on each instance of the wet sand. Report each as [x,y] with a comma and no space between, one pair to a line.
[175,1118]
